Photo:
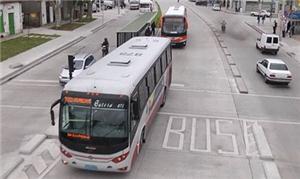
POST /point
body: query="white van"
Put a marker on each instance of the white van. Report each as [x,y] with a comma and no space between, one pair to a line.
[146,6]
[268,43]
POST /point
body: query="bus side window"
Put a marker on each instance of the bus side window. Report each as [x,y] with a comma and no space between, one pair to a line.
[157,71]
[163,62]
[143,95]
[134,113]
[169,54]
[150,80]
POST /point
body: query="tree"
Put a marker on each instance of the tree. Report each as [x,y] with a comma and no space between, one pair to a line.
[57,4]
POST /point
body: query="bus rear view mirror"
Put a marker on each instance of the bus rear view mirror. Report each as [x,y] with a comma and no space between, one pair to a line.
[52,112]
[52,118]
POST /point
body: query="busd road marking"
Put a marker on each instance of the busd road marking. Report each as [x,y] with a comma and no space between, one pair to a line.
[181,132]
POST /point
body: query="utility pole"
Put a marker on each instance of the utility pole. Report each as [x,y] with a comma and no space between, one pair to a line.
[281,19]
[118,1]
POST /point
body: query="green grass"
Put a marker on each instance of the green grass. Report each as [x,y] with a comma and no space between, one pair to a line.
[69,26]
[10,48]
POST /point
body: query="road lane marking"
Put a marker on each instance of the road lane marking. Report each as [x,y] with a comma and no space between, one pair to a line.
[232,118]
[177,85]
[23,107]
[234,93]
[233,138]
[250,144]
[35,81]
[208,137]
[35,85]
[174,131]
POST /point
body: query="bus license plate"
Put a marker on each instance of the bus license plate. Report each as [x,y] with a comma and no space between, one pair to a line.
[91,167]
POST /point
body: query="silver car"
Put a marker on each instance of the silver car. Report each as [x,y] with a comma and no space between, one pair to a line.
[81,62]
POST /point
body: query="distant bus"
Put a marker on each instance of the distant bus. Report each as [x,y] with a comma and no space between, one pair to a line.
[174,25]
[106,111]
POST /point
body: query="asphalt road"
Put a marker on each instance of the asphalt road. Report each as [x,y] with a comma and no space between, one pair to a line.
[205,130]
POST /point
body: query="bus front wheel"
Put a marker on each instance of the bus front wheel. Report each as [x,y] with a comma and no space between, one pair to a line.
[164,98]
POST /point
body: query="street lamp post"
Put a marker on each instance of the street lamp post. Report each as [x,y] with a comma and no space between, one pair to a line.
[281,20]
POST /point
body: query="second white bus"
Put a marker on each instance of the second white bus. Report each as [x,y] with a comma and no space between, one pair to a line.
[106,111]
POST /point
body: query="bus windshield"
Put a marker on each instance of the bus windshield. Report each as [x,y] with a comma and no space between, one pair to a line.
[173,25]
[103,118]
[110,123]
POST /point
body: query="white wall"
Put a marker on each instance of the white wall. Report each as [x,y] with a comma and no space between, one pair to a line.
[15,8]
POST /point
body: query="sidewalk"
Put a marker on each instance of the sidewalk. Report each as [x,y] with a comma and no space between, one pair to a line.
[16,65]
[290,45]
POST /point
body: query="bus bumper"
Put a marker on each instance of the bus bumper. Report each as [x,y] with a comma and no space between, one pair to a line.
[94,163]
[179,40]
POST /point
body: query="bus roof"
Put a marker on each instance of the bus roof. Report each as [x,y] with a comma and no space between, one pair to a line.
[139,23]
[121,70]
[175,11]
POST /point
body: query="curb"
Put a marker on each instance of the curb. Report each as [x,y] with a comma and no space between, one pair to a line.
[36,62]
[262,143]
[10,167]
[30,146]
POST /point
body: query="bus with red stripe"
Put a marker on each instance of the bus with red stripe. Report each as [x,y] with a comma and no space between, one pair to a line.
[105,112]
[174,25]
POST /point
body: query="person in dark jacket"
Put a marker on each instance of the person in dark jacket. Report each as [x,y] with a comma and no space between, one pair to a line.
[153,28]
[274,27]
[148,31]
[105,47]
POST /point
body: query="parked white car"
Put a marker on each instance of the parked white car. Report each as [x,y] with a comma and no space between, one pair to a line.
[274,70]
[216,7]
[81,62]
[261,13]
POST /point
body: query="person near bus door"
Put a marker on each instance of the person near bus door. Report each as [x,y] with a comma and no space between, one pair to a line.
[153,28]
[148,31]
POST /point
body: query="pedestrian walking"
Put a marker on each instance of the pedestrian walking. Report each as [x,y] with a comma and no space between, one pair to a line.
[288,26]
[258,19]
[274,27]
[263,19]
[148,31]
[153,28]
[284,27]
[292,29]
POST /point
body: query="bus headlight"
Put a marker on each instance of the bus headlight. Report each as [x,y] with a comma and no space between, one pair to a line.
[120,158]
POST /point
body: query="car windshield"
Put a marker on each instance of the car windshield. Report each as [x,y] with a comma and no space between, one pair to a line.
[77,65]
[278,66]
[173,25]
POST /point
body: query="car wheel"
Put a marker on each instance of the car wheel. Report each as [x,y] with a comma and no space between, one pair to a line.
[256,46]
[164,99]
[275,53]
[266,79]
[257,70]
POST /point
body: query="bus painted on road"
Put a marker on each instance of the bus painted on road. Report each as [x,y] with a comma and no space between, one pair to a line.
[174,25]
[106,111]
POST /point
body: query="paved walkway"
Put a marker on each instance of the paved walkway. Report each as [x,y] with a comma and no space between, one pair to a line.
[290,45]
[14,65]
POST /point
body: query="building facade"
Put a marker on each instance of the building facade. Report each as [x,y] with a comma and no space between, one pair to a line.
[11,19]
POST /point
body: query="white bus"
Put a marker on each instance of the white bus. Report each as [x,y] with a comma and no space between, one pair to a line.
[105,112]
